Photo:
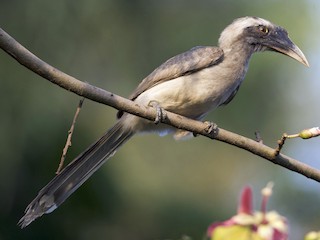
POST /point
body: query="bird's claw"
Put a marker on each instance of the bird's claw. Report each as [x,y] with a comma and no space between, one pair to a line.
[161,114]
[211,127]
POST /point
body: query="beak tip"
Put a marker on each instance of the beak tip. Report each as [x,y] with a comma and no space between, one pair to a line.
[304,61]
[298,55]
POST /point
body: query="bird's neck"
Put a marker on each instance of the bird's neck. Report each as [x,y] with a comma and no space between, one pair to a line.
[239,50]
[240,53]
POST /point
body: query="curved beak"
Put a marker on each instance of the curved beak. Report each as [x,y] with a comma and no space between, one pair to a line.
[278,40]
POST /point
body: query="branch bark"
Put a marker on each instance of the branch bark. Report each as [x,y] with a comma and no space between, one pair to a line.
[38,66]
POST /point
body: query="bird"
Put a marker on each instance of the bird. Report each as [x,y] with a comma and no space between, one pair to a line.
[190,84]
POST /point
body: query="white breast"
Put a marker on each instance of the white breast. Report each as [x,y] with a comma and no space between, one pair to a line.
[192,95]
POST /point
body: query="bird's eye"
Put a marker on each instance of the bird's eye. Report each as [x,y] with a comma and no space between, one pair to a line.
[263,29]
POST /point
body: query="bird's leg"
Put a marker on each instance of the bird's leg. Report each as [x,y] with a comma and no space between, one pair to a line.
[161,114]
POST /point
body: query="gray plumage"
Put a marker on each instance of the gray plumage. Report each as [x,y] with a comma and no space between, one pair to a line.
[190,84]
[183,64]
[76,173]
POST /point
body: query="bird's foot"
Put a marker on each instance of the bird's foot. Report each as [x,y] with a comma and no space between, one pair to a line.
[161,114]
[211,127]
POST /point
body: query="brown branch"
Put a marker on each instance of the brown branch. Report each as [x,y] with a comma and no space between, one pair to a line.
[26,58]
[69,138]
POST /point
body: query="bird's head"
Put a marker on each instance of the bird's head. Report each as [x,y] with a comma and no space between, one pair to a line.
[257,34]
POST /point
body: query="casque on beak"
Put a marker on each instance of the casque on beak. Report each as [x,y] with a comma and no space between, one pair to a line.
[278,40]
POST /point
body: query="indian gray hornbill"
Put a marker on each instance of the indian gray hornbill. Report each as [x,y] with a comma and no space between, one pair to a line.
[190,84]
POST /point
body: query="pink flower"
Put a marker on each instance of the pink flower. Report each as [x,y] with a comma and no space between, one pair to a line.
[246,224]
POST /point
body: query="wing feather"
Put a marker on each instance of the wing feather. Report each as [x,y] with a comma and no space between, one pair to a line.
[185,63]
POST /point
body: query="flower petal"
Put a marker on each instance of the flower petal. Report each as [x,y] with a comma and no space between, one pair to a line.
[245,205]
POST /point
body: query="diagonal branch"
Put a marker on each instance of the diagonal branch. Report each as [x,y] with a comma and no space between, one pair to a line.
[35,64]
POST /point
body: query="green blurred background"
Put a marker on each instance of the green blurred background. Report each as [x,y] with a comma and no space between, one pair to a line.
[153,188]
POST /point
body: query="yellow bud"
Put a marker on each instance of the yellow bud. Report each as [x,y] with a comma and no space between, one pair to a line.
[309,133]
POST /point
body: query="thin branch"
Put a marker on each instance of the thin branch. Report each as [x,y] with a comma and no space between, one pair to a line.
[30,61]
[304,134]
[69,138]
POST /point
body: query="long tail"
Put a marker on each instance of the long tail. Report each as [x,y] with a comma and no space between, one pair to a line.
[75,174]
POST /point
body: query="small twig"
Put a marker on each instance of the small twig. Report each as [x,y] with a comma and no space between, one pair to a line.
[258,137]
[280,144]
[70,132]
[304,134]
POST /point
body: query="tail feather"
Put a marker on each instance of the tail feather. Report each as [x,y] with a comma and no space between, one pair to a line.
[76,173]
